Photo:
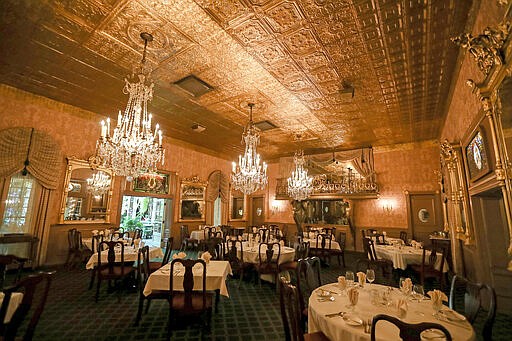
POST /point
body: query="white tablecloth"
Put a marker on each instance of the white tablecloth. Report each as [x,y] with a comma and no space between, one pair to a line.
[313,244]
[130,255]
[401,257]
[251,253]
[216,274]
[87,242]
[336,329]
[15,301]
[199,234]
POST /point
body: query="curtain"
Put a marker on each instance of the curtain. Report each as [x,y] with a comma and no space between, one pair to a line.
[218,184]
[33,151]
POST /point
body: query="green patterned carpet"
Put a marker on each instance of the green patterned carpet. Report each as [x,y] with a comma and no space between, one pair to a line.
[250,313]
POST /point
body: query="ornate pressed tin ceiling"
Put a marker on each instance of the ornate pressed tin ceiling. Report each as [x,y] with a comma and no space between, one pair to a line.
[292,58]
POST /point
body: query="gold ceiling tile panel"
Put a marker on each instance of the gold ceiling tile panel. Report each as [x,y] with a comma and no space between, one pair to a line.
[294,56]
[283,17]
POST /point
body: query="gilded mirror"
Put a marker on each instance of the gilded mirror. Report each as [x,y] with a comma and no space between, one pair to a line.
[237,206]
[192,200]
[87,193]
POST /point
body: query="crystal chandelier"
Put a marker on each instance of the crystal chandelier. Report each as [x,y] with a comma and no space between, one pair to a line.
[249,175]
[300,185]
[98,184]
[133,148]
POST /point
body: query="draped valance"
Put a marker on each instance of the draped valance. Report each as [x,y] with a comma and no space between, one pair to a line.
[218,184]
[32,150]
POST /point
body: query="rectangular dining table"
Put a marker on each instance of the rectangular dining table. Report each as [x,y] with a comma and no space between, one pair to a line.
[216,275]
[130,255]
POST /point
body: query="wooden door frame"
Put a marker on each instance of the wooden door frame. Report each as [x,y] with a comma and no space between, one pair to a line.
[251,199]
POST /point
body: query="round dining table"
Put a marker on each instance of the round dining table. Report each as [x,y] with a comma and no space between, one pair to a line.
[336,319]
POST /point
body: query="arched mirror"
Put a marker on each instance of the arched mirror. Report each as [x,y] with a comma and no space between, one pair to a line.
[87,193]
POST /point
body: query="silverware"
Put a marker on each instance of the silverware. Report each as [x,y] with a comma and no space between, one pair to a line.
[327,299]
[338,314]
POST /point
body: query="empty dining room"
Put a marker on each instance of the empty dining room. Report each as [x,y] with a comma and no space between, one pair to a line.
[255,169]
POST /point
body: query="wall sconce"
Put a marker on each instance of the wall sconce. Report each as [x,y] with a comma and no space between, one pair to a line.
[387,206]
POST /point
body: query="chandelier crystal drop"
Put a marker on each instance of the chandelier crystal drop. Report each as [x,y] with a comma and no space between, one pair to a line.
[99,183]
[133,148]
[250,174]
[300,185]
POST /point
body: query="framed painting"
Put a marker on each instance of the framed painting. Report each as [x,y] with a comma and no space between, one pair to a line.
[156,183]
[477,156]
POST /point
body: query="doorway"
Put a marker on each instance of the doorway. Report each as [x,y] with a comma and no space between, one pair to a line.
[257,211]
[490,258]
[147,213]
[424,215]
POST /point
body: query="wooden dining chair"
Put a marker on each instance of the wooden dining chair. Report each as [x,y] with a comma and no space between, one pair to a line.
[291,314]
[33,300]
[384,265]
[301,251]
[235,257]
[268,257]
[186,301]
[118,235]
[187,243]
[428,269]
[115,269]
[95,246]
[473,300]
[264,235]
[308,279]
[342,240]
[11,261]
[408,331]
[137,234]
[403,236]
[214,246]
[143,273]
[155,265]
[322,247]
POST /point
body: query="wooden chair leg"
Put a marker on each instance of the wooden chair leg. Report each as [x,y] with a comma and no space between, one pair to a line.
[93,275]
[147,306]
[241,277]
[139,310]
[98,283]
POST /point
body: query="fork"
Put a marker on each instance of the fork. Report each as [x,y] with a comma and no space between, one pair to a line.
[338,314]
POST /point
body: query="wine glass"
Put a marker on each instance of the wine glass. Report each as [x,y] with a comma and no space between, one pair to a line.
[370,275]
[418,292]
[349,276]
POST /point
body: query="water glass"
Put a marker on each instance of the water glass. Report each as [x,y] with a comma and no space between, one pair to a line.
[418,292]
[370,275]
[349,276]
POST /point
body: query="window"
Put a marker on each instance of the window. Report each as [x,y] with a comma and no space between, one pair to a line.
[217,212]
[18,204]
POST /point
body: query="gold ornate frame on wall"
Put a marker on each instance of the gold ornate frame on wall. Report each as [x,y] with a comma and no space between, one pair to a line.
[192,200]
[237,205]
[93,215]
[492,51]
[453,187]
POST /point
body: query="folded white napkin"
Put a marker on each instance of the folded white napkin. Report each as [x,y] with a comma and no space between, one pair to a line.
[94,232]
[437,297]
[179,255]
[281,242]
[361,277]
[407,286]
[401,307]
[206,257]
[101,233]
[136,243]
[353,295]
[254,230]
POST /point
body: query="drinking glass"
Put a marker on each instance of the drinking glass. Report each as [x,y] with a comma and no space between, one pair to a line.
[418,292]
[349,276]
[370,275]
